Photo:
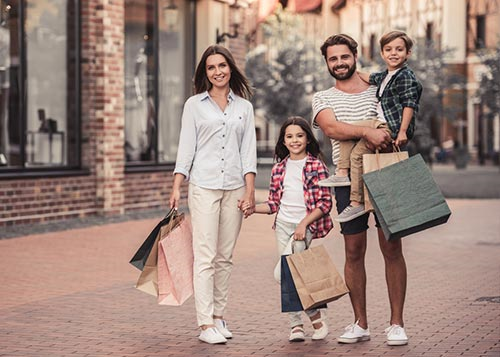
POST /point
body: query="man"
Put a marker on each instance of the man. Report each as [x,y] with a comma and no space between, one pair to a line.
[352,99]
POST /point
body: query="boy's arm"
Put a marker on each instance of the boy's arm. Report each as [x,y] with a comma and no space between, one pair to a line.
[364,76]
[402,139]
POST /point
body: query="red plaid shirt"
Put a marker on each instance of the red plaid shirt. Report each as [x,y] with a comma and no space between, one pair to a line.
[314,195]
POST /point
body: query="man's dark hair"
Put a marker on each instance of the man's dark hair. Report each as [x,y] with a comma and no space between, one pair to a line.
[340,39]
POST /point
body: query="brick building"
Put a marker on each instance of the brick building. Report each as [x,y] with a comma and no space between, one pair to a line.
[91,95]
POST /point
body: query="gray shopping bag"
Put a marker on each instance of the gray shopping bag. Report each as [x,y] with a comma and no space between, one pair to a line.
[406,198]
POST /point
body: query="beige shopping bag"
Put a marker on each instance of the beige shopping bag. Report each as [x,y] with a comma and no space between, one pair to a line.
[377,161]
[148,280]
[175,265]
[316,278]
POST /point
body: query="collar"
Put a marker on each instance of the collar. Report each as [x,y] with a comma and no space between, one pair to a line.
[230,97]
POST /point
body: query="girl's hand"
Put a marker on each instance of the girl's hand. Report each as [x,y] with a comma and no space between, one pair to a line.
[300,232]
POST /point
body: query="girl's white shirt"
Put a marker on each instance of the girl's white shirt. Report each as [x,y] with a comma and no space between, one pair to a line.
[293,206]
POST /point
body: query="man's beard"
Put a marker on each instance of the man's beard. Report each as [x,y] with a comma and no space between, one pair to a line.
[345,75]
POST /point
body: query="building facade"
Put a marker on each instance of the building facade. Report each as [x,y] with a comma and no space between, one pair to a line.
[91,96]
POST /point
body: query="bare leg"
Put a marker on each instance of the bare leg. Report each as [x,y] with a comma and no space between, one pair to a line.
[395,275]
[355,275]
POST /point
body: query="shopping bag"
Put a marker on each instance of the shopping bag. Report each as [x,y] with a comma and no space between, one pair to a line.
[140,257]
[290,300]
[372,162]
[148,279]
[406,198]
[316,279]
[175,265]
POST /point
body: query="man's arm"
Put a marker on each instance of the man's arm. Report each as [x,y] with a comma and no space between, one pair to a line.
[377,138]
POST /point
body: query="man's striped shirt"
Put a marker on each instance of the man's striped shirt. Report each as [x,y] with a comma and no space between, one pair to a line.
[346,107]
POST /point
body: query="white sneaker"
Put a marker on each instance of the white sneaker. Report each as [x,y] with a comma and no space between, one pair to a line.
[322,332]
[221,326]
[297,334]
[396,336]
[354,333]
[212,336]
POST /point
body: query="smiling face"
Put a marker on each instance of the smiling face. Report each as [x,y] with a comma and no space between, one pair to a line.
[341,62]
[296,142]
[218,71]
[395,54]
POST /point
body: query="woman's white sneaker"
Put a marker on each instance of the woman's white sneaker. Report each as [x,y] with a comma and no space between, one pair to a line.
[396,336]
[354,333]
[212,336]
[221,326]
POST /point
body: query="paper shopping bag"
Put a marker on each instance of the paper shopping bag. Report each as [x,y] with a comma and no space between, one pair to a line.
[148,280]
[316,279]
[142,254]
[372,162]
[290,300]
[406,198]
[175,265]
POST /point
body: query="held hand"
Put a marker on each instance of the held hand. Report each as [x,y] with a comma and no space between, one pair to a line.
[401,139]
[377,138]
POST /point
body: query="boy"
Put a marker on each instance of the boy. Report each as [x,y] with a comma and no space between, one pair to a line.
[398,94]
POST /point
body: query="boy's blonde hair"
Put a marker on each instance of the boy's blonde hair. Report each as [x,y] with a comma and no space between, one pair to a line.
[392,35]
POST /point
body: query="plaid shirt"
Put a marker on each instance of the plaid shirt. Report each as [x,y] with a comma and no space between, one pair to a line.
[314,195]
[403,90]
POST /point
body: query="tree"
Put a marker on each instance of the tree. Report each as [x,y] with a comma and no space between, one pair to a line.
[286,70]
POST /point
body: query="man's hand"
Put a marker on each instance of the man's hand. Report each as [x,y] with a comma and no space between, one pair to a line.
[377,138]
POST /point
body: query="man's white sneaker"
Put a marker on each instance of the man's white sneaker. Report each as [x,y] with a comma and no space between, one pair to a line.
[354,333]
[212,336]
[396,336]
[221,326]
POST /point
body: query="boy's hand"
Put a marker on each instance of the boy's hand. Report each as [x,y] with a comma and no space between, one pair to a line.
[401,139]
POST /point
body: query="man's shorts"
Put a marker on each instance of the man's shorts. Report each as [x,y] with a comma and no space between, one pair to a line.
[357,225]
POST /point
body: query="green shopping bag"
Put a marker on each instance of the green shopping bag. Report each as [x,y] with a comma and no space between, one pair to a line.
[405,197]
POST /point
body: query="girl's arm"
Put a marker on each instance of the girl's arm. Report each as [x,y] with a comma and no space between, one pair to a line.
[262,208]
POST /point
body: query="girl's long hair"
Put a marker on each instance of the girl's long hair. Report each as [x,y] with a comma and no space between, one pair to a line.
[281,151]
[238,82]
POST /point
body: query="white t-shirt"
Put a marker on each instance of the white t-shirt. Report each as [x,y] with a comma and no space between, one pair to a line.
[293,206]
[346,107]
[386,80]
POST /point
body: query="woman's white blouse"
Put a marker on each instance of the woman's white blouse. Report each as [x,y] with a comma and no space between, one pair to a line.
[217,148]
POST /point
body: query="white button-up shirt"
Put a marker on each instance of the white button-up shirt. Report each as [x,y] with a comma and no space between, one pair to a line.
[217,148]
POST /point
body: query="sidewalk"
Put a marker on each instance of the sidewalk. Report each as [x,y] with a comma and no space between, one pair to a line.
[70,293]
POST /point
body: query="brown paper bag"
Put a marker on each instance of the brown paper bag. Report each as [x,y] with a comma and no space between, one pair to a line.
[377,161]
[148,280]
[316,278]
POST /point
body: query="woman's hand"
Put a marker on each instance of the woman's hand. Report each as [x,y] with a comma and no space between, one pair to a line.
[175,197]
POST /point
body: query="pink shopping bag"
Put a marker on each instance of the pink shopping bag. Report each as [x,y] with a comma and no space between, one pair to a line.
[175,265]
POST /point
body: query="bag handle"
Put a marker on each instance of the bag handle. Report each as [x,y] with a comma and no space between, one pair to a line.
[395,149]
[295,241]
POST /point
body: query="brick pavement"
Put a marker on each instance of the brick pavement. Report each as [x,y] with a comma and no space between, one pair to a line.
[70,293]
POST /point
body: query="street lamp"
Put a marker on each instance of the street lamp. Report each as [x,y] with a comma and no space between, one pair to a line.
[171,15]
[235,7]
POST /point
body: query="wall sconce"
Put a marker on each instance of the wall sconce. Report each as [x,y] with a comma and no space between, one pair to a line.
[171,16]
[235,25]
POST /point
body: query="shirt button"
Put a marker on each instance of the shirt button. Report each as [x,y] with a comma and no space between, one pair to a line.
[223,123]
[221,170]
[225,113]
[223,135]
[223,148]
[222,159]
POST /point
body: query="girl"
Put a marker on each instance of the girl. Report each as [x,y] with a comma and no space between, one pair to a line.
[302,206]
[217,154]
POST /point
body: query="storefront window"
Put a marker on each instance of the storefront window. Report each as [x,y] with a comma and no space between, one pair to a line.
[158,70]
[38,84]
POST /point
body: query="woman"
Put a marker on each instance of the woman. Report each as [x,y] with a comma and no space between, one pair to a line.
[217,154]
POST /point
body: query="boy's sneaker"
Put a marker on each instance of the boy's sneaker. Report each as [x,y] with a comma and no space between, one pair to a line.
[350,212]
[221,326]
[297,334]
[212,335]
[396,336]
[354,333]
[335,181]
